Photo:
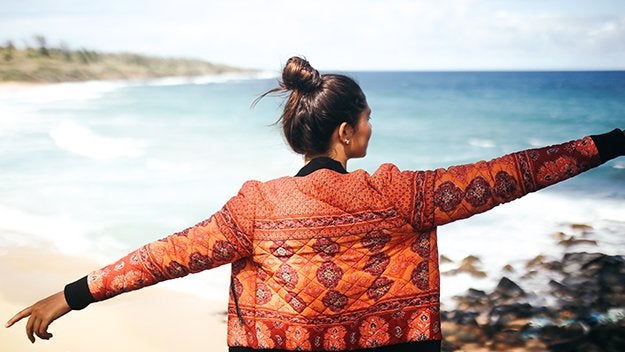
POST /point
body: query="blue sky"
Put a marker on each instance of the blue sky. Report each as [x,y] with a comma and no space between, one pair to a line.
[338,34]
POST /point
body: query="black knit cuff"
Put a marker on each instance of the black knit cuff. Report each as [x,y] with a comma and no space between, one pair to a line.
[77,294]
[610,145]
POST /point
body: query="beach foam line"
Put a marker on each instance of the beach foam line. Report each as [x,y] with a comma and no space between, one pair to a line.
[20,228]
[481,143]
[208,79]
[81,140]
[46,93]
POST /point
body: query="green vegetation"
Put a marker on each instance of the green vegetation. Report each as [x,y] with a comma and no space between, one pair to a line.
[42,63]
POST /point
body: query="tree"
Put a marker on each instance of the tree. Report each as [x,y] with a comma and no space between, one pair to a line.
[43,46]
[9,49]
[65,51]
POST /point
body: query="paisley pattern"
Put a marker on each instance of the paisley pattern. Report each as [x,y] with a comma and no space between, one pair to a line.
[375,241]
[374,332]
[448,196]
[335,301]
[263,294]
[335,261]
[478,192]
[287,276]
[326,248]
[297,338]
[377,263]
[334,338]
[505,186]
[379,288]
[329,274]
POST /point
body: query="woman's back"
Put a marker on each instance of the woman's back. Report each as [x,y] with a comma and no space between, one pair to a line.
[335,264]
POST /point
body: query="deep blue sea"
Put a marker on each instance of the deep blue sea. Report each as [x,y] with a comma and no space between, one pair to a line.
[99,168]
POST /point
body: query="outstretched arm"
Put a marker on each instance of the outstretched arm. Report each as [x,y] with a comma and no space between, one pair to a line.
[435,197]
[221,239]
[201,247]
[462,191]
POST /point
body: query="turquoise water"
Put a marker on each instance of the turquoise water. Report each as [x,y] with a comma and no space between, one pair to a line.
[103,167]
[437,119]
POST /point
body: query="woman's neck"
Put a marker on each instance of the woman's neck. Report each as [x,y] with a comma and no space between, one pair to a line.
[343,161]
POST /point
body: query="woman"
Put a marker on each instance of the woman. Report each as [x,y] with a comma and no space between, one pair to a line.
[331,260]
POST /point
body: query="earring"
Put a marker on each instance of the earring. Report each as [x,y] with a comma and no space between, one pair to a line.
[347,141]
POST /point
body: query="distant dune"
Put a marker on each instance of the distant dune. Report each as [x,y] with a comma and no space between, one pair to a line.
[64,65]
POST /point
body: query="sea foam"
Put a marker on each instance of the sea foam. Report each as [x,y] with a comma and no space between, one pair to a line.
[63,232]
[207,79]
[481,143]
[81,140]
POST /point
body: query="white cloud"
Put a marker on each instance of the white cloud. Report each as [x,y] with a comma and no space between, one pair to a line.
[346,34]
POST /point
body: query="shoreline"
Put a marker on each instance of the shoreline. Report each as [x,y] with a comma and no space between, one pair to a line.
[15,85]
[164,80]
[154,318]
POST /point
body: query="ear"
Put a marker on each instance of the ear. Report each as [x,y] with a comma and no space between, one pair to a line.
[345,131]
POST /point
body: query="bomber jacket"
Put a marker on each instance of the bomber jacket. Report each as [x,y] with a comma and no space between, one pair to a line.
[330,260]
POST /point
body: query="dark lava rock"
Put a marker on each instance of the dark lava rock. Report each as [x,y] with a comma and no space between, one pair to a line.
[585,312]
[473,300]
[507,291]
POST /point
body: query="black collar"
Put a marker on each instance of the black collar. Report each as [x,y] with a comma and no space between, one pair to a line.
[322,162]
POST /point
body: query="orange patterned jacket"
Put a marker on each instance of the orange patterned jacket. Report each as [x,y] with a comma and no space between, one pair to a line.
[339,261]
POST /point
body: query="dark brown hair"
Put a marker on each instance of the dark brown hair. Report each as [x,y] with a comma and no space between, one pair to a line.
[317,104]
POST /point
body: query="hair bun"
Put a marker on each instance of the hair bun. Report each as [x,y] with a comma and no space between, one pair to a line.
[299,75]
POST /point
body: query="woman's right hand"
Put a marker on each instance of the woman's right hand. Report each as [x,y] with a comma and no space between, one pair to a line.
[41,315]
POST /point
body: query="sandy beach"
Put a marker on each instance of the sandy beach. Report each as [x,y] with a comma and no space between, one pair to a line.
[152,319]
[12,86]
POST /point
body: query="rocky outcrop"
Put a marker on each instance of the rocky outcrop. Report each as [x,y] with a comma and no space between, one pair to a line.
[582,308]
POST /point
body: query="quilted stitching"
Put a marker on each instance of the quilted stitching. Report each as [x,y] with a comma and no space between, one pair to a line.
[340,261]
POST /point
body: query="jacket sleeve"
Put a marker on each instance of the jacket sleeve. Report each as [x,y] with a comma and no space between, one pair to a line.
[437,197]
[223,238]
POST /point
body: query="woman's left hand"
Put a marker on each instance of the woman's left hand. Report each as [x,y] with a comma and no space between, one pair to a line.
[41,315]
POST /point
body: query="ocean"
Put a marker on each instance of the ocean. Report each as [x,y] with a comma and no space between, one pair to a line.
[100,168]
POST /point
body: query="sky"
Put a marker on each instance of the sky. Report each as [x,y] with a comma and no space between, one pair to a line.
[337,34]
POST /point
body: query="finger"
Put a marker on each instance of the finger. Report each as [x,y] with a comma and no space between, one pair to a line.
[29,329]
[42,330]
[36,327]
[17,317]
